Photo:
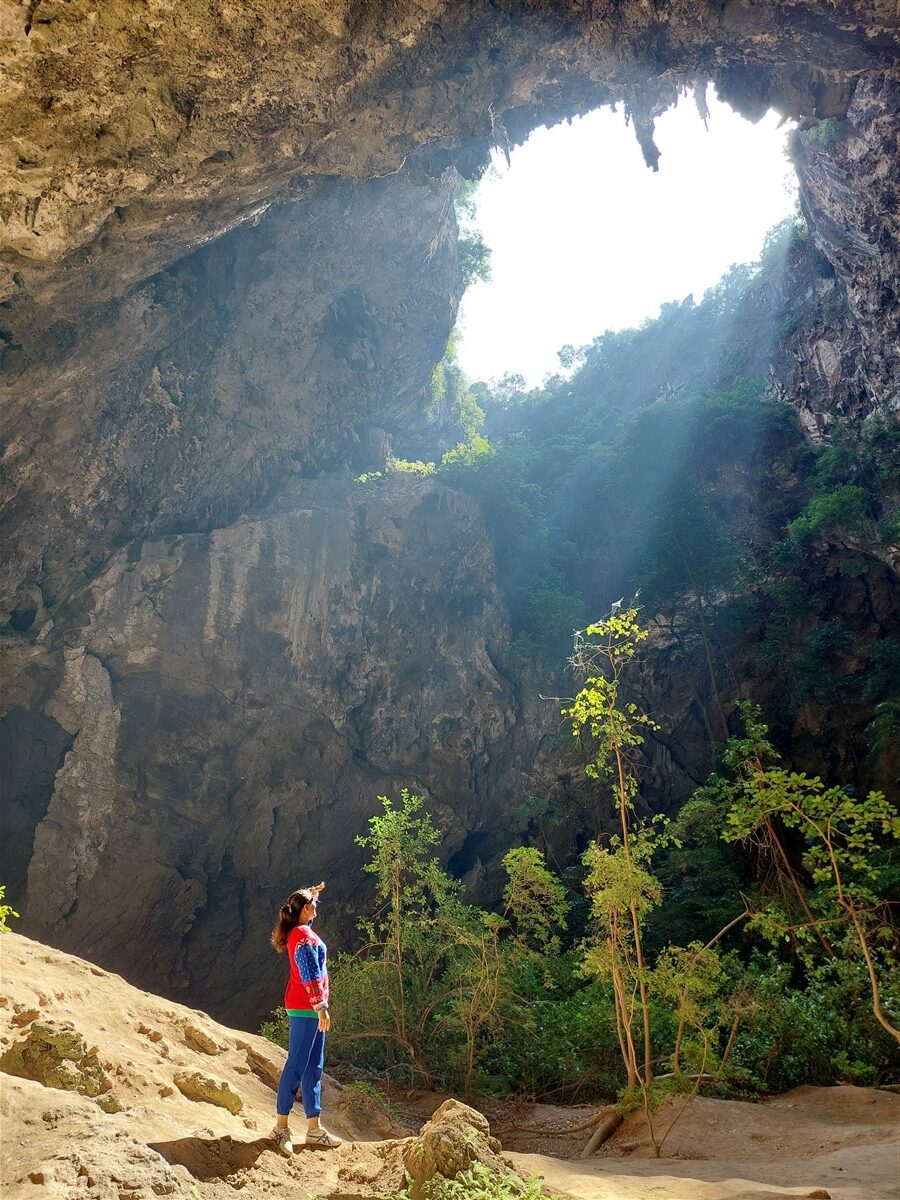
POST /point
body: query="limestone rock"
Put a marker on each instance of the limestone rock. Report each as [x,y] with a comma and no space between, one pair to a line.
[130,138]
[71,1149]
[54,1054]
[24,1016]
[162,1144]
[216,384]
[456,1137]
[366,1108]
[850,195]
[262,673]
[210,1091]
[264,1068]
[198,1040]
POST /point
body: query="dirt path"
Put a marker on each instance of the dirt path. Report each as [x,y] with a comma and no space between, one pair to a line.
[841,1139]
[868,1173]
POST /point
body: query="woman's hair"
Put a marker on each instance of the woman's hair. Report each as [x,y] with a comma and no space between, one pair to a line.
[289,917]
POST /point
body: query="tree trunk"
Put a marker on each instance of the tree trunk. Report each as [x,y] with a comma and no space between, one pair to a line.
[604,1130]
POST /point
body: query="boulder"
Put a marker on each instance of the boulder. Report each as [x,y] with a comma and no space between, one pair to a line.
[54,1054]
[456,1138]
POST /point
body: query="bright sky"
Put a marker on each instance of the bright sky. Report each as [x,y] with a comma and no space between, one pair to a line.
[584,237]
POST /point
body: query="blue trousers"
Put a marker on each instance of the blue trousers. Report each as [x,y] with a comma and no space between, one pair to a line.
[303,1069]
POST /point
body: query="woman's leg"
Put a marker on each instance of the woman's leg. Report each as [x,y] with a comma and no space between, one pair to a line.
[311,1080]
[302,1030]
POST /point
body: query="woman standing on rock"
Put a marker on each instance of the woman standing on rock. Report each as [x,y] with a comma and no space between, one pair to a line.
[306,1001]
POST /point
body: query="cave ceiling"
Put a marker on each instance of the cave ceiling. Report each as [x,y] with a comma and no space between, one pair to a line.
[130,134]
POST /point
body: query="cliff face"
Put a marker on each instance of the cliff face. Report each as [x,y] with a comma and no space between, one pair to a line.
[197,395]
[850,196]
[235,701]
[228,269]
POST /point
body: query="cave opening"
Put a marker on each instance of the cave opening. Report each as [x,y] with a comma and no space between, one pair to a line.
[621,357]
[582,238]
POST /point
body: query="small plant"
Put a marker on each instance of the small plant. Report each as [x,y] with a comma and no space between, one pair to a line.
[397,466]
[6,911]
[468,453]
[374,1095]
[844,507]
[829,132]
[405,466]
[479,1182]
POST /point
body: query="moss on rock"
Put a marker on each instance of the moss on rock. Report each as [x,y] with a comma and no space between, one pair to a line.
[55,1054]
[201,1088]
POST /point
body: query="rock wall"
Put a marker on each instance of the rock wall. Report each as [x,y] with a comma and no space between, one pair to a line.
[850,196]
[197,395]
[238,699]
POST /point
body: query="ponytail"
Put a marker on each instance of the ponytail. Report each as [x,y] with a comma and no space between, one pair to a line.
[289,917]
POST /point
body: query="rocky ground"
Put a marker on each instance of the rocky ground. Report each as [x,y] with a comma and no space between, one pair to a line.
[188,1103]
[131,1097]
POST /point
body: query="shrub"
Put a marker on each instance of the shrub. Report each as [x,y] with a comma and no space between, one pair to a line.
[829,131]
[816,1031]
[843,507]
[277,1028]
[6,911]
[479,1182]
[468,453]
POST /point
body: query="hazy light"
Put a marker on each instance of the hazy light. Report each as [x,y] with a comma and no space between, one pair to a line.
[585,238]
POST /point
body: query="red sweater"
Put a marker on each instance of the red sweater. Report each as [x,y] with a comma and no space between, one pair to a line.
[307,988]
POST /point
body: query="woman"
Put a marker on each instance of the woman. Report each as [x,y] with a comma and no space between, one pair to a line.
[306,1001]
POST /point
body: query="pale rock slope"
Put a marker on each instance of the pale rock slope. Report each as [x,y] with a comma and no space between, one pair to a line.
[126,1112]
[59,1143]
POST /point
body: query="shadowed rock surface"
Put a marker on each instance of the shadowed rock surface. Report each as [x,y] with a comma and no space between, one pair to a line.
[204,391]
[240,697]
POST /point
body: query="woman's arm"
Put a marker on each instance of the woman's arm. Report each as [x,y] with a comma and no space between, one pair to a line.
[312,976]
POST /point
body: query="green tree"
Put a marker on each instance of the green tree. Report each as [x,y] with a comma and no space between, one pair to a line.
[842,837]
[429,969]
[534,901]
[620,886]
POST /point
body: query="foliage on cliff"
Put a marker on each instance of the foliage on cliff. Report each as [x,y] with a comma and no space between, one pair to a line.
[447,994]
[666,463]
